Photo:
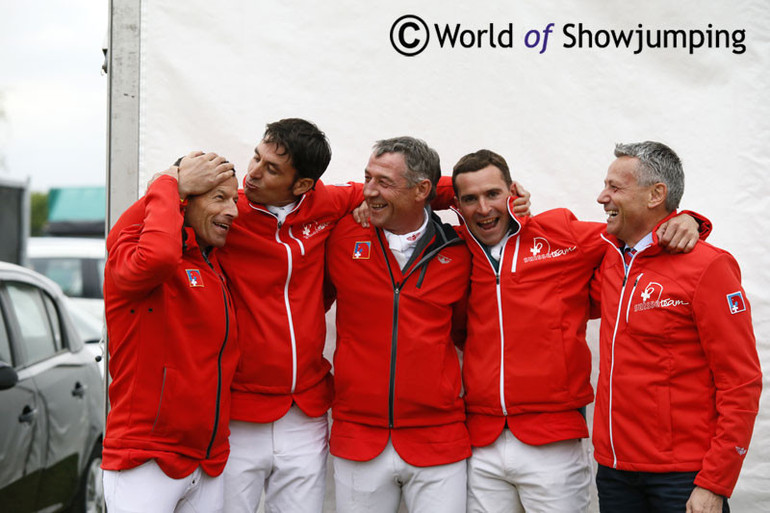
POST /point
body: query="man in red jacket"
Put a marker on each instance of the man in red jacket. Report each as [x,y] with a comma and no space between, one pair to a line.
[679,377]
[400,289]
[526,365]
[172,332]
[274,260]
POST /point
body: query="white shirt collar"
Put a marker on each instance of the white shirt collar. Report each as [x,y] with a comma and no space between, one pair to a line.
[402,246]
[643,244]
[281,212]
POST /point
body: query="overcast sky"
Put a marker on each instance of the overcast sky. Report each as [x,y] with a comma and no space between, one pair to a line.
[52,92]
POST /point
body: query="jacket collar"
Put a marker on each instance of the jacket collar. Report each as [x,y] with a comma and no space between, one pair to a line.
[652,249]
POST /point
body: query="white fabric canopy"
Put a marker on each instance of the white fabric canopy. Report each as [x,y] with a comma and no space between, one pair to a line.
[214,73]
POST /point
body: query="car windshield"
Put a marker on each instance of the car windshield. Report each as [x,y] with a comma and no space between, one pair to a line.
[77,277]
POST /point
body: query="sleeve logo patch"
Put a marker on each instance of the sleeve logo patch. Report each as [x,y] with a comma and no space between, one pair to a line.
[194,277]
[736,303]
[362,250]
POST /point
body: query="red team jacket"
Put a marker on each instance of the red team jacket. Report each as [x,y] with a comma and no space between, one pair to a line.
[276,277]
[275,274]
[525,359]
[172,341]
[679,378]
[397,373]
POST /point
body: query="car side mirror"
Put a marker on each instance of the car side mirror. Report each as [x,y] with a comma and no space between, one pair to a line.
[8,377]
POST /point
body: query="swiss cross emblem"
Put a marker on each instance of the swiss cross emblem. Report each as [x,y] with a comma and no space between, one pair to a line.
[194,277]
[736,302]
[362,250]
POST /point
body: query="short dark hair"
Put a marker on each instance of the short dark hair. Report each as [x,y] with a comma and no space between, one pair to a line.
[307,146]
[479,160]
[422,161]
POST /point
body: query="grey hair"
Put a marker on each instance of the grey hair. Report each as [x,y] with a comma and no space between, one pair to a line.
[657,163]
[422,161]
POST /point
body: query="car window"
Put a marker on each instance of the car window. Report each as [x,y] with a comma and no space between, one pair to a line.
[66,272]
[37,337]
[53,319]
[5,345]
[100,274]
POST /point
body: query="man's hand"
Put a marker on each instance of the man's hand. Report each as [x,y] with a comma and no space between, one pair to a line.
[679,234]
[704,501]
[361,214]
[521,204]
[200,172]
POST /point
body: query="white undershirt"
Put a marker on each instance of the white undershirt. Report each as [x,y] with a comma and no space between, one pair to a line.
[281,212]
[402,246]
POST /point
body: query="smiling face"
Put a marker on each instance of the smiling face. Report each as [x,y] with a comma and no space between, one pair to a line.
[211,214]
[394,205]
[271,178]
[627,204]
[482,197]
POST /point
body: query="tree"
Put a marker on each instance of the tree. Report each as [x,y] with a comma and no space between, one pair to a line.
[38,207]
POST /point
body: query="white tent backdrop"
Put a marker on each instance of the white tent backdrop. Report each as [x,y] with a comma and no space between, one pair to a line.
[214,73]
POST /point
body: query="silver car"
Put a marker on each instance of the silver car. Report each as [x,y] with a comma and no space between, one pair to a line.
[51,401]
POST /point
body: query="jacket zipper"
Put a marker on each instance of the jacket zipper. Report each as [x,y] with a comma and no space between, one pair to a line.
[219,357]
[627,272]
[498,292]
[289,271]
[397,287]
[499,298]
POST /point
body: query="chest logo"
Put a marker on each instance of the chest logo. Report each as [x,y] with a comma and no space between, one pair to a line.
[443,259]
[362,250]
[652,297]
[310,229]
[194,277]
[736,303]
[541,250]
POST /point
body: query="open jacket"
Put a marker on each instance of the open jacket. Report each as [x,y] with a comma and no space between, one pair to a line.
[396,369]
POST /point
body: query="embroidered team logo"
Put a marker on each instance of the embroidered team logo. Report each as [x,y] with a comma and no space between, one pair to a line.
[443,259]
[736,303]
[538,245]
[652,297]
[740,450]
[652,291]
[194,277]
[541,250]
[310,229]
[362,250]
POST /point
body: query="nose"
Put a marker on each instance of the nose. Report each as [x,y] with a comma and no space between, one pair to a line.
[484,207]
[370,190]
[231,210]
[603,198]
[255,169]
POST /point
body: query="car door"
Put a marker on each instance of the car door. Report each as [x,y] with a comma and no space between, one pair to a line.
[22,431]
[62,380]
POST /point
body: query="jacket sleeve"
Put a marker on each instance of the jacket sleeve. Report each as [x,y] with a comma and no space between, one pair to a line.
[346,197]
[704,225]
[723,319]
[142,255]
[445,194]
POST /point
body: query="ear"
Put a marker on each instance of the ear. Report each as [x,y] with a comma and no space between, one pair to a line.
[423,190]
[657,197]
[301,186]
